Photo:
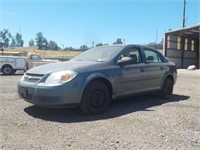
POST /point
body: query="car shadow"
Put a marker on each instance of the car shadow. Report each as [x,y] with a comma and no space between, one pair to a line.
[117,108]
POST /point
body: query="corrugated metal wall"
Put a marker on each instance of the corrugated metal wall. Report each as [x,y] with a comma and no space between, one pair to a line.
[182,50]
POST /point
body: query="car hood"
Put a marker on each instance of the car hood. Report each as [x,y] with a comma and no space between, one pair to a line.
[78,66]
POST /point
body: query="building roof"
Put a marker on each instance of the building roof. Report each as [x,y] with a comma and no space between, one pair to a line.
[193,31]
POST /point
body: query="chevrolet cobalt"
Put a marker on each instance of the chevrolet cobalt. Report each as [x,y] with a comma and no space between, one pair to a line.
[97,76]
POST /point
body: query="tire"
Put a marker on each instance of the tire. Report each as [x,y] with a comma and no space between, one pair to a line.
[167,89]
[7,70]
[95,99]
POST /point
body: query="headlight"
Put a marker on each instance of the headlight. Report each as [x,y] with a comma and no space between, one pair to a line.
[60,77]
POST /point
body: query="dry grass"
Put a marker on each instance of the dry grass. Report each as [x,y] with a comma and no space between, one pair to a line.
[62,55]
[57,54]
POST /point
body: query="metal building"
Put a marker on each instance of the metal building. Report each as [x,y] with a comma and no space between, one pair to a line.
[182,46]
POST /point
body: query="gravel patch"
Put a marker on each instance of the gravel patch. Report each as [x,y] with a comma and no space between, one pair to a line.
[139,122]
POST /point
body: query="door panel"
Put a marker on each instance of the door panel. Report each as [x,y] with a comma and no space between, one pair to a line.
[34,60]
[156,72]
[155,68]
[132,79]
[20,63]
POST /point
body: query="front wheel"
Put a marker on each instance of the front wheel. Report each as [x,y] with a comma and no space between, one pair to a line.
[96,98]
[167,89]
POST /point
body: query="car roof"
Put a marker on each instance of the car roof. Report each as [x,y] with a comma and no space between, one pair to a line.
[129,45]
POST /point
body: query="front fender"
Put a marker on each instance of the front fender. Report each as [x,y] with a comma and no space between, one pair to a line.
[85,79]
[95,76]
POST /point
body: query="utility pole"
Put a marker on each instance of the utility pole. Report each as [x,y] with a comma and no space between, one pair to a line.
[184,5]
[156,36]
[92,44]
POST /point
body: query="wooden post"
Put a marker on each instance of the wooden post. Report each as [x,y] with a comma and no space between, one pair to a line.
[183,49]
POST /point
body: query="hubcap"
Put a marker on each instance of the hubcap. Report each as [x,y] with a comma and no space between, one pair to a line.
[7,70]
[97,98]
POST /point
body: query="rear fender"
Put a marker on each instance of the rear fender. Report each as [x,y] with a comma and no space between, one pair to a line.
[166,76]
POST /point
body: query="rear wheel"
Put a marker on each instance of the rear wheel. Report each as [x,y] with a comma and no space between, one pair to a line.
[7,70]
[95,98]
[167,89]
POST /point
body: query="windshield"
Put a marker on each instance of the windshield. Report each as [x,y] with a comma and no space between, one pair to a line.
[101,54]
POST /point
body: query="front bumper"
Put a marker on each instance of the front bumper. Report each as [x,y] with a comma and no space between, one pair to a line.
[50,96]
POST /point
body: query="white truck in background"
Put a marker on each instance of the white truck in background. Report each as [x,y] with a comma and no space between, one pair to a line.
[10,64]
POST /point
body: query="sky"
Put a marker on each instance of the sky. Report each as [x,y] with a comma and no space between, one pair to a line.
[81,22]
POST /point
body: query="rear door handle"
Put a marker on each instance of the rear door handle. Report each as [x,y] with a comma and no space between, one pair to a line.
[162,68]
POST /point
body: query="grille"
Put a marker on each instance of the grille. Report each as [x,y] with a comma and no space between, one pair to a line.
[32,77]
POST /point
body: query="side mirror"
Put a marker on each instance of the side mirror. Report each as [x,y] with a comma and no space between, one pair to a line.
[125,61]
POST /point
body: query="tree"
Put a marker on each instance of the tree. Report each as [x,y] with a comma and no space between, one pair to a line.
[99,44]
[118,41]
[83,47]
[5,37]
[13,43]
[52,45]
[38,39]
[69,49]
[19,41]
[31,42]
[45,44]
[41,42]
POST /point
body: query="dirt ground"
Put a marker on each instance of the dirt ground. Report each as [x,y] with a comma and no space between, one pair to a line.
[142,122]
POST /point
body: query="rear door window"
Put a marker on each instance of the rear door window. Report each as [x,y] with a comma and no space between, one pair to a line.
[152,56]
